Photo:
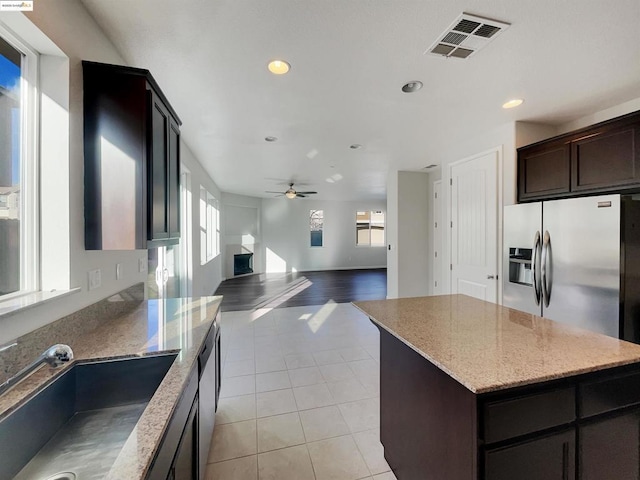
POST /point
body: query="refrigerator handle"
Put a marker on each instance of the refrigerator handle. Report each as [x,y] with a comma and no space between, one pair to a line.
[547,274]
[535,266]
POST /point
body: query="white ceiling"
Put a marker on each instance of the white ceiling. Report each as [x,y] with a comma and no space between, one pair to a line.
[349,61]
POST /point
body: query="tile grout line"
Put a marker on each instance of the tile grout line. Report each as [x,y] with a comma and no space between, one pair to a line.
[352,332]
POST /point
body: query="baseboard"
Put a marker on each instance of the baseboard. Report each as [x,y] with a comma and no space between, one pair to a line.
[339,268]
[315,270]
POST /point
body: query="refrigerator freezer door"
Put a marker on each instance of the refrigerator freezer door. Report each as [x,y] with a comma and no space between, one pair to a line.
[583,262]
[521,224]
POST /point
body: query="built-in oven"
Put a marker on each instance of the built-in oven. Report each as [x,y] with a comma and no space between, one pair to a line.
[209,391]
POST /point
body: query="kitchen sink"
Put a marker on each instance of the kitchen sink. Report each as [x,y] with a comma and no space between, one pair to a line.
[76,426]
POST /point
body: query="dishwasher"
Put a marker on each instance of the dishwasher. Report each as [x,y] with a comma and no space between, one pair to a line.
[209,391]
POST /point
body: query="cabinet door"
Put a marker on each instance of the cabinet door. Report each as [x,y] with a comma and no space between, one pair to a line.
[607,159]
[185,465]
[158,171]
[547,458]
[610,449]
[173,200]
[544,171]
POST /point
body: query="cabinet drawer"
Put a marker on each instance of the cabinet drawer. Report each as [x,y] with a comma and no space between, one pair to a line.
[547,458]
[505,419]
[610,394]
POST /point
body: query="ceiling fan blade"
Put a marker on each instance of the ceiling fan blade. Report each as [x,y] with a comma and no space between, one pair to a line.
[300,195]
[308,193]
[267,191]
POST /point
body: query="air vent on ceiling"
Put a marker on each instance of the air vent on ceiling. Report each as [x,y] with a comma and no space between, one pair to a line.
[466,35]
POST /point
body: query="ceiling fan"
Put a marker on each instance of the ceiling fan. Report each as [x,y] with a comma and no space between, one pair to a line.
[291,193]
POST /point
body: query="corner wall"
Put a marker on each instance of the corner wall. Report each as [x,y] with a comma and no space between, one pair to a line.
[242,232]
[70,27]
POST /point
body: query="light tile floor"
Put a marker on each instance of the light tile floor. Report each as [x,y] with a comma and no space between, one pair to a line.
[300,396]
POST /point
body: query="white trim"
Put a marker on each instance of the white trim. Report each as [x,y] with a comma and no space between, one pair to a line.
[186,240]
[325,269]
[29,163]
[213,236]
[437,275]
[322,230]
[384,230]
[25,301]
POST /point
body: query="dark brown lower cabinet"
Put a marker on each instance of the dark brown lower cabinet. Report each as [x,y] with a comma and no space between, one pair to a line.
[610,448]
[185,465]
[585,427]
[177,456]
[550,457]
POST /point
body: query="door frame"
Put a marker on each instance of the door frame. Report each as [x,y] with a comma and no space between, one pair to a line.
[437,272]
[446,193]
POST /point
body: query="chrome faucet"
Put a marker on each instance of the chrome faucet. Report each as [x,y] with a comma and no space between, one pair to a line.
[55,356]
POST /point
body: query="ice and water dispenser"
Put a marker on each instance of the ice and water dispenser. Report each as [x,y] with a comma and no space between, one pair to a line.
[520,266]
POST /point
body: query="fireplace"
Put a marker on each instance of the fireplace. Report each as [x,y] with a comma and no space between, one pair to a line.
[242,263]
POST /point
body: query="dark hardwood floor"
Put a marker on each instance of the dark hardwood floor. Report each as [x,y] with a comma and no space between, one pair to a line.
[277,290]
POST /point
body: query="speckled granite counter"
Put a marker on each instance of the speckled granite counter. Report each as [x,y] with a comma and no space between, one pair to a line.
[487,347]
[145,328]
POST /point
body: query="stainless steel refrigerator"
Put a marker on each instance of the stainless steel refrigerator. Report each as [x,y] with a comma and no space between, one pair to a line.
[576,261]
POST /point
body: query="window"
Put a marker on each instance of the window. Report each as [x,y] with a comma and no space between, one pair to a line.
[18,194]
[370,228]
[209,226]
[316,224]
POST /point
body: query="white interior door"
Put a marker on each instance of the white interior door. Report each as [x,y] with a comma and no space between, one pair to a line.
[474,226]
[437,237]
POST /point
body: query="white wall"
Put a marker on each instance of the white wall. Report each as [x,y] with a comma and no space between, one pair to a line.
[601,116]
[69,26]
[414,251]
[207,277]
[409,260]
[285,236]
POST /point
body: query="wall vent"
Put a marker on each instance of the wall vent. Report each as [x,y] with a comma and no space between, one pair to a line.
[465,36]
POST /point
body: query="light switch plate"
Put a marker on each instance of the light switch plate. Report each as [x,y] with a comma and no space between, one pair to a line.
[142,265]
[95,279]
[118,271]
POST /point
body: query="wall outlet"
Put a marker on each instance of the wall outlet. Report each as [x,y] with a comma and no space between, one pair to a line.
[95,279]
[142,265]
[118,271]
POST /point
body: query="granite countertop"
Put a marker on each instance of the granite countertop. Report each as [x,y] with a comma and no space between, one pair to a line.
[487,347]
[177,325]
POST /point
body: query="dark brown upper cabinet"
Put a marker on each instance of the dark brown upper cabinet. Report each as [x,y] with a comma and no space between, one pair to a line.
[602,158]
[131,160]
[544,171]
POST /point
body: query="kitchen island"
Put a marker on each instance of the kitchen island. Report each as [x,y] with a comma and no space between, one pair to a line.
[112,330]
[473,390]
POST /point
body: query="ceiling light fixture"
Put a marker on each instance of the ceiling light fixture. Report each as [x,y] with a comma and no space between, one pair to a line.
[290,194]
[412,86]
[278,67]
[513,103]
[270,139]
[355,146]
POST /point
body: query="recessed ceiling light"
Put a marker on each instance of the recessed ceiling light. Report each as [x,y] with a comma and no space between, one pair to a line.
[513,103]
[411,87]
[271,139]
[278,67]
[355,146]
